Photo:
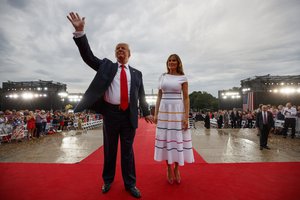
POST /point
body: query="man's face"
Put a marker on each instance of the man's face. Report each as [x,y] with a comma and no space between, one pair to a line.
[264,108]
[122,53]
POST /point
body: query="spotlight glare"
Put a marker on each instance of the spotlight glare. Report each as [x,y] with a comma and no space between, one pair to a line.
[287,90]
[63,94]
[27,95]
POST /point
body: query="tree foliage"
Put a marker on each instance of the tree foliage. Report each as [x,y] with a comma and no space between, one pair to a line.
[203,101]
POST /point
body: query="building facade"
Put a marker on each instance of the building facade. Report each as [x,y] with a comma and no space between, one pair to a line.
[47,95]
[274,90]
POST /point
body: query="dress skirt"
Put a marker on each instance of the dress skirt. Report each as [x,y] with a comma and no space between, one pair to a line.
[172,143]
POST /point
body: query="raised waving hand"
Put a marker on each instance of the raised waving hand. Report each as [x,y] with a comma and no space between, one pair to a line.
[76,21]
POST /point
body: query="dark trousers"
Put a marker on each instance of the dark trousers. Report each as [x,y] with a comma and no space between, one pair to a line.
[38,129]
[289,122]
[233,123]
[249,123]
[264,133]
[44,127]
[220,123]
[116,124]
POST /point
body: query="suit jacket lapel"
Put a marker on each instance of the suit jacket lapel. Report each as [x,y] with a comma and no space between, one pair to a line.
[132,80]
[114,72]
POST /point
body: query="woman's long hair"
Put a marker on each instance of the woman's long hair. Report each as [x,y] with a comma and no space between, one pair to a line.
[179,67]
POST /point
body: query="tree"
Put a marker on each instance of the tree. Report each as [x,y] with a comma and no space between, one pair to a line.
[203,101]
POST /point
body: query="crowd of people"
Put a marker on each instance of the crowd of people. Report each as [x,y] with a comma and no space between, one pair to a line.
[40,122]
[33,124]
[235,118]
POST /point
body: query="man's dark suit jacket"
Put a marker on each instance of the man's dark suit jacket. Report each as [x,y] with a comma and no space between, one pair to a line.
[106,71]
[260,123]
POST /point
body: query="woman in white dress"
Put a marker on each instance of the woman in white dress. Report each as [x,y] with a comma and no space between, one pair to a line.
[173,142]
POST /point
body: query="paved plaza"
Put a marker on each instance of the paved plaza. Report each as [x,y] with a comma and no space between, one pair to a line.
[214,145]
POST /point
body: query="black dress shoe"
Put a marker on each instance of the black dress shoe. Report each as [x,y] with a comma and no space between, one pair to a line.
[261,148]
[106,187]
[134,192]
[266,147]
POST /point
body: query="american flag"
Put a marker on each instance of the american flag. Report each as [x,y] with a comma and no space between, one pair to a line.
[248,101]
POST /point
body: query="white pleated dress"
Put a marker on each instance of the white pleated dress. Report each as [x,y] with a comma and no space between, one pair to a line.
[172,143]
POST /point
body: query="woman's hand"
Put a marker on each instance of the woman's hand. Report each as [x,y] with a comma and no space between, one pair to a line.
[185,124]
[76,21]
[155,120]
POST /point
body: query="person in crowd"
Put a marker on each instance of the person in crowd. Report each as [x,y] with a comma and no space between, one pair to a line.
[25,114]
[249,118]
[298,120]
[258,110]
[38,123]
[220,119]
[173,142]
[61,121]
[31,125]
[207,120]
[274,111]
[18,126]
[243,119]
[280,115]
[265,123]
[200,116]
[44,121]
[115,92]
[233,118]
[9,116]
[289,119]
[2,118]
[55,121]
[239,119]
[66,121]
[226,119]
[80,121]
[49,121]
[192,120]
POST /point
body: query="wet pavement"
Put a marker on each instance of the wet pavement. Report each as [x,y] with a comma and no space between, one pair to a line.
[65,147]
[242,145]
[214,145]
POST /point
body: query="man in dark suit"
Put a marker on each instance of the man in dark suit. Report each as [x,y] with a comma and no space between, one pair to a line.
[234,118]
[105,95]
[265,123]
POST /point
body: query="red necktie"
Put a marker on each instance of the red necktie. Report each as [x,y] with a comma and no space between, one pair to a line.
[123,89]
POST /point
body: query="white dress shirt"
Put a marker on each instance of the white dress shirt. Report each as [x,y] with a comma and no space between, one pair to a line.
[290,112]
[112,94]
[78,34]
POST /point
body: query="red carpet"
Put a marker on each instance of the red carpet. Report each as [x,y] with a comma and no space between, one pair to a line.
[199,180]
